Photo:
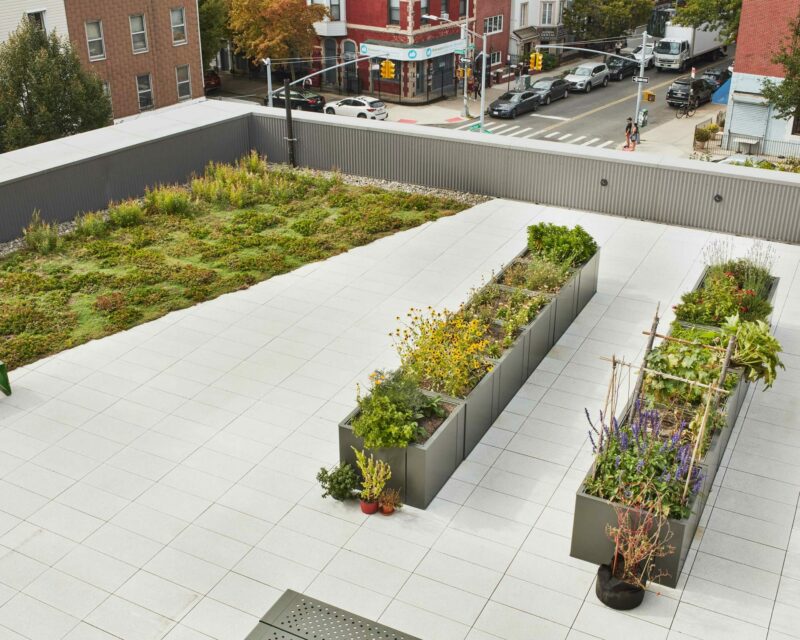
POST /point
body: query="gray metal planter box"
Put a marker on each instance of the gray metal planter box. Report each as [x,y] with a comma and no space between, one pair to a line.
[566,306]
[419,471]
[481,407]
[587,282]
[538,339]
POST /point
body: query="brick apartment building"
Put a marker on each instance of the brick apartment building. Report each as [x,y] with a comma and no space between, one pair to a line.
[147,52]
[424,51]
[751,125]
[493,17]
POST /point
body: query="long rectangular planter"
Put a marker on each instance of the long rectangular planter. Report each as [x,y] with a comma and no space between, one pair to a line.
[419,471]
[593,514]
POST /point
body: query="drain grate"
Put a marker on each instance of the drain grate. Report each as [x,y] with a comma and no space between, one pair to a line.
[298,617]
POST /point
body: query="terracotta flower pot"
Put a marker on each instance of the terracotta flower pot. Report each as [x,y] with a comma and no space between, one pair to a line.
[369,507]
[616,593]
[387,510]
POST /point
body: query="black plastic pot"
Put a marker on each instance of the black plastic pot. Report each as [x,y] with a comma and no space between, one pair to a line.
[615,593]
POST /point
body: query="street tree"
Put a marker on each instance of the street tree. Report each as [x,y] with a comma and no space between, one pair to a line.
[213,27]
[276,29]
[44,91]
[711,15]
[598,19]
[784,96]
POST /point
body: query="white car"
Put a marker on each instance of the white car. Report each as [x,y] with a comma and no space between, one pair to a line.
[649,55]
[360,107]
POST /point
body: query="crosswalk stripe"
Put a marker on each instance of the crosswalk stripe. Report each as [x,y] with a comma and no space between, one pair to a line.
[605,144]
[496,129]
[577,140]
[564,137]
[588,142]
[465,126]
[516,126]
[516,133]
[531,135]
[550,135]
[493,125]
[539,115]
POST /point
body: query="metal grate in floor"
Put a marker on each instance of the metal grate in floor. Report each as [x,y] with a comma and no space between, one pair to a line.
[298,617]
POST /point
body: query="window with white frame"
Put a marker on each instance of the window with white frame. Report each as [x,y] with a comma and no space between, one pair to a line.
[94,40]
[462,8]
[178,19]
[394,11]
[37,18]
[495,58]
[523,14]
[547,13]
[336,10]
[424,9]
[184,77]
[493,24]
[107,91]
[144,88]
[138,33]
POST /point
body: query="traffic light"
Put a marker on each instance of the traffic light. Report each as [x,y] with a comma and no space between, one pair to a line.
[387,69]
[539,59]
[532,62]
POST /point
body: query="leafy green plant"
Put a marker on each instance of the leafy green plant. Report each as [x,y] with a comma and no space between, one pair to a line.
[721,297]
[390,413]
[340,482]
[561,244]
[390,499]
[126,214]
[41,237]
[374,475]
[756,349]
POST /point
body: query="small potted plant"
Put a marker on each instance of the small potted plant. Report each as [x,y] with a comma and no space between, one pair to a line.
[374,476]
[640,537]
[389,501]
[339,482]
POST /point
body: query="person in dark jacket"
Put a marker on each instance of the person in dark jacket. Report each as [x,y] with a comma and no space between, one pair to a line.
[628,132]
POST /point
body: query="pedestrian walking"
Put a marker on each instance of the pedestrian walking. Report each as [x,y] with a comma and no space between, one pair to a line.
[628,132]
[477,88]
[634,136]
[471,87]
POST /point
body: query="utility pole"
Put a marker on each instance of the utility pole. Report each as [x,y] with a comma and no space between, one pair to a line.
[641,75]
[287,100]
[268,62]
[483,82]
[464,59]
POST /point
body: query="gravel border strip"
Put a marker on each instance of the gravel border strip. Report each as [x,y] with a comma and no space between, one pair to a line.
[7,248]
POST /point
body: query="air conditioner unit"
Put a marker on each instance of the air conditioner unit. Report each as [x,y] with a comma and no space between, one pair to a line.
[444,15]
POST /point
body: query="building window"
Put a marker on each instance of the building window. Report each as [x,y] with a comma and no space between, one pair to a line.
[138,33]
[94,40]
[178,18]
[462,8]
[394,11]
[336,10]
[184,82]
[547,13]
[107,92]
[493,24]
[523,14]
[424,10]
[37,18]
[495,58]
[144,88]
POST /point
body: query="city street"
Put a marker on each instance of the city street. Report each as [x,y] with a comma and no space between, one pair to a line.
[596,119]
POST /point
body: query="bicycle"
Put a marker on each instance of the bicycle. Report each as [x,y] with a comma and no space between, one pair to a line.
[686,110]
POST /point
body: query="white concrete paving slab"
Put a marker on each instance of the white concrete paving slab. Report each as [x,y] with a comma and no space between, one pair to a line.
[159,483]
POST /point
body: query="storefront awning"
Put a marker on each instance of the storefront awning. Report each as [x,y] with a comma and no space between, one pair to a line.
[526,33]
[412,51]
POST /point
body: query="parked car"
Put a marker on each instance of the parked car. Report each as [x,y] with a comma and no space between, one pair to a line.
[716,76]
[300,99]
[360,107]
[587,75]
[649,55]
[549,89]
[211,81]
[619,68]
[678,93]
[513,103]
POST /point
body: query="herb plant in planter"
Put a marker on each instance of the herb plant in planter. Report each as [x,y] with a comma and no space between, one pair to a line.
[374,476]
[389,501]
[560,244]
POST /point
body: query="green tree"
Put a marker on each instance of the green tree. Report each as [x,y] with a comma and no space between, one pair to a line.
[716,14]
[44,91]
[213,27]
[785,96]
[595,19]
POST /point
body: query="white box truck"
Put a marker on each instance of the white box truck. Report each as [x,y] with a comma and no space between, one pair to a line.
[681,46]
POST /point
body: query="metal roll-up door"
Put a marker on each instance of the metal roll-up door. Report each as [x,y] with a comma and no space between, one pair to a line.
[749,119]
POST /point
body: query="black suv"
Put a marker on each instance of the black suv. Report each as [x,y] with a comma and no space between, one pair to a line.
[678,93]
[716,76]
[619,68]
[302,100]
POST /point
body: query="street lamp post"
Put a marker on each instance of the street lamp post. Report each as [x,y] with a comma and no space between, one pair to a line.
[464,58]
[464,30]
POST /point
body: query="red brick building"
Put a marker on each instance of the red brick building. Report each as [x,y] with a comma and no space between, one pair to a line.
[764,25]
[424,51]
[146,51]
[494,19]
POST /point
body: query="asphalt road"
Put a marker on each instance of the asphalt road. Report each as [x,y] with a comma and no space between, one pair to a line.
[595,119]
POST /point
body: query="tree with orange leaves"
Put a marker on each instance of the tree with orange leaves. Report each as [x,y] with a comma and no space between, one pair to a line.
[275,28]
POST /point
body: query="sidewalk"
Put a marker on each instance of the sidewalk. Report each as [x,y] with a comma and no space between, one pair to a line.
[676,137]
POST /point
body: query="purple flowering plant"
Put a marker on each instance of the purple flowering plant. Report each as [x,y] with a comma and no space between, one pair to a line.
[636,464]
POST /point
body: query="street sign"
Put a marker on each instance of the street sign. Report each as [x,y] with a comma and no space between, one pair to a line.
[641,79]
